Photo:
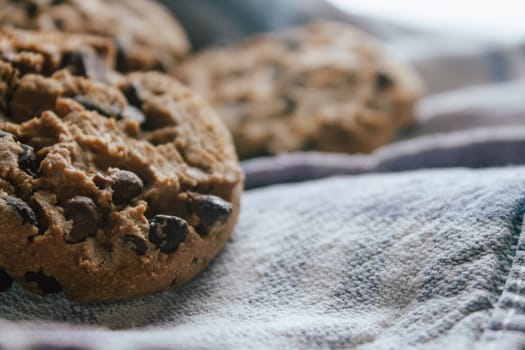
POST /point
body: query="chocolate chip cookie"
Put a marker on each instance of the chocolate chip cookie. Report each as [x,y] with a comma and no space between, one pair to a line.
[89,56]
[110,188]
[325,86]
[146,34]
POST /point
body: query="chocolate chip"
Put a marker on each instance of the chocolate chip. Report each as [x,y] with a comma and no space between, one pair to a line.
[289,104]
[133,109]
[31,9]
[209,208]
[46,283]
[202,230]
[23,210]
[76,61]
[59,23]
[166,232]
[383,81]
[57,2]
[5,281]
[85,63]
[41,216]
[138,244]
[101,181]
[159,67]
[132,95]
[92,106]
[27,160]
[83,211]
[126,185]
[121,56]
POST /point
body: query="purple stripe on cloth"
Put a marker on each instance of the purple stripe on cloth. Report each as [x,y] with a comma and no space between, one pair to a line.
[476,148]
[474,107]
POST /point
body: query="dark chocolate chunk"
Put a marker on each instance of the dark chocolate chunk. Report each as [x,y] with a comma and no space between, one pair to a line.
[57,2]
[23,210]
[101,181]
[383,81]
[133,110]
[27,160]
[31,9]
[159,67]
[41,217]
[138,244]
[126,185]
[85,63]
[209,208]
[59,23]
[202,230]
[46,283]
[75,60]
[83,211]
[121,56]
[5,281]
[132,95]
[166,232]
[112,111]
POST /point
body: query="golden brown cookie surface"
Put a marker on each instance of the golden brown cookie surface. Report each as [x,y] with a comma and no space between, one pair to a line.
[146,34]
[109,189]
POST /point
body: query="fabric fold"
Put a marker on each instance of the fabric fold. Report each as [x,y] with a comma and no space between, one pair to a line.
[473,148]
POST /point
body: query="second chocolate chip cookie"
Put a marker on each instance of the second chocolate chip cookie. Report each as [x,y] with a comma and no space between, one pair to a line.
[324,87]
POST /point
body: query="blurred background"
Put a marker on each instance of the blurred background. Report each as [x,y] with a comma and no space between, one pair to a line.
[452,44]
[469,42]
[470,55]
[498,20]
